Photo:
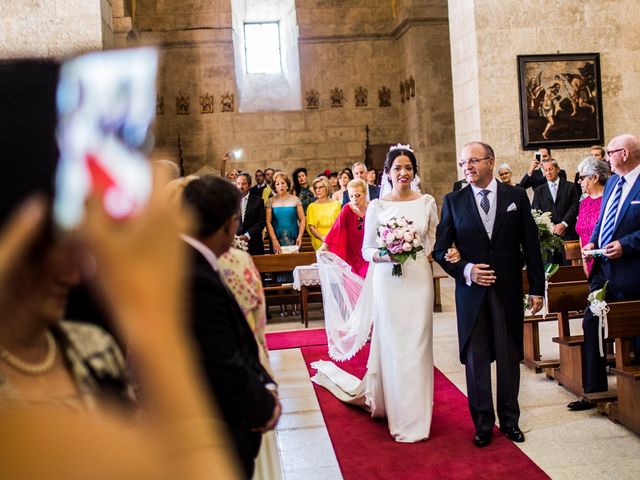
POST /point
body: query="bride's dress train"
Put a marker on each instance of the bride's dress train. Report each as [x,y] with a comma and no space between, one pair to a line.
[398,383]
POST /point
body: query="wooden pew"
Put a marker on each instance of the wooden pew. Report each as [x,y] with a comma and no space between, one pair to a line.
[623,321]
[573,252]
[279,293]
[563,298]
[531,338]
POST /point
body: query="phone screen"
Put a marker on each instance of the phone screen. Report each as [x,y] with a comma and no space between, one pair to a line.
[106,104]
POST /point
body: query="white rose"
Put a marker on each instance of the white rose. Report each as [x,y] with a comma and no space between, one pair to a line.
[390,237]
[379,242]
[415,242]
[406,247]
[408,236]
[399,234]
[402,222]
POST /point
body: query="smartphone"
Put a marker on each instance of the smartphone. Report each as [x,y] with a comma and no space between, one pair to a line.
[105,104]
[538,156]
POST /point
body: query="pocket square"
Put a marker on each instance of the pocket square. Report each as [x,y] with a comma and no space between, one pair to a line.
[635,202]
[512,208]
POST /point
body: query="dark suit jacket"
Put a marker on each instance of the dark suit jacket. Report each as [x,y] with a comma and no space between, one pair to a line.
[459,185]
[565,208]
[253,224]
[623,273]
[537,179]
[514,228]
[229,356]
[374,192]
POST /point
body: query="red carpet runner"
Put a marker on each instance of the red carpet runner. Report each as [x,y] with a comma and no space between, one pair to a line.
[365,450]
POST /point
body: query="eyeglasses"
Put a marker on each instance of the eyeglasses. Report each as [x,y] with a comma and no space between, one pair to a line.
[611,152]
[582,177]
[360,223]
[471,161]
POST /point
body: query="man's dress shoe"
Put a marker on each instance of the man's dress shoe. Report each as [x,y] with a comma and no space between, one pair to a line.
[580,405]
[482,439]
[513,433]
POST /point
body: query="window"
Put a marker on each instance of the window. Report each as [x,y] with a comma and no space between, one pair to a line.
[262,47]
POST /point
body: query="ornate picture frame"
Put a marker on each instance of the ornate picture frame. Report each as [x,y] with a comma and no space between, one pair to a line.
[560,100]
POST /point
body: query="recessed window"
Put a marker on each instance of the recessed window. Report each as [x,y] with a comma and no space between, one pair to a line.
[262,47]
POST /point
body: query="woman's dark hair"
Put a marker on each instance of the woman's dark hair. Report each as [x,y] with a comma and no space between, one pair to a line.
[347,171]
[29,151]
[294,178]
[393,154]
[214,201]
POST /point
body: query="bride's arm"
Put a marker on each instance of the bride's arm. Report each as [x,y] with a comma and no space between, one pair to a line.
[369,245]
[432,224]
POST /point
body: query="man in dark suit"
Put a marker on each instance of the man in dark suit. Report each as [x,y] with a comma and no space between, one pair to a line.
[560,198]
[534,177]
[245,392]
[618,233]
[252,216]
[359,170]
[491,225]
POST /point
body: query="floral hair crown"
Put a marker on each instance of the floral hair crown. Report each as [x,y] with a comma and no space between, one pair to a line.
[400,146]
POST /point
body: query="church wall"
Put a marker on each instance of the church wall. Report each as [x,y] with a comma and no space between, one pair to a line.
[342,45]
[488,34]
[36,28]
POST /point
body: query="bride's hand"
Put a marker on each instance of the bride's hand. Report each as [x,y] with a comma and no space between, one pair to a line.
[452,255]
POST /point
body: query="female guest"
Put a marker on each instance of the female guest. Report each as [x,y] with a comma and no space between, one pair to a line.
[505,173]
[345,237]
[344,178]
[322,213]
[301,187]
[285,215]
[372,176]
[593,175]
[232,175]
[333,181]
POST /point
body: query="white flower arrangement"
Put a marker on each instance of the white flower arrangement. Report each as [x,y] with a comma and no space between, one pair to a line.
[240,244]
[599,307]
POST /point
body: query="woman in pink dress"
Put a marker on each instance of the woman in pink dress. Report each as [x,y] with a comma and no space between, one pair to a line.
[593,174]
[345,237]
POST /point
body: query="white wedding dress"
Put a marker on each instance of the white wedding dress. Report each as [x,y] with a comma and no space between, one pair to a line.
[398,383]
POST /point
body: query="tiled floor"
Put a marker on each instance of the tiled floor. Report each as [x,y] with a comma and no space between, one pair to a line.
[566,445]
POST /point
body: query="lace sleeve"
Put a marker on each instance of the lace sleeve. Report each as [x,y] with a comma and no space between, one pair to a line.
[369,244]
[432,223]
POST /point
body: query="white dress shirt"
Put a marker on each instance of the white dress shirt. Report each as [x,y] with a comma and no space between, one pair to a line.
[553,188]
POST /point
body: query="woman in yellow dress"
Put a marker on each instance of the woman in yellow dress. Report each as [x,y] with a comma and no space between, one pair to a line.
[322,213]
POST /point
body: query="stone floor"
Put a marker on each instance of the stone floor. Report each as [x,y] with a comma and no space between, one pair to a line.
[566,445]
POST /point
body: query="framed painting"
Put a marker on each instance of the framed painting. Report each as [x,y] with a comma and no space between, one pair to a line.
[560,100]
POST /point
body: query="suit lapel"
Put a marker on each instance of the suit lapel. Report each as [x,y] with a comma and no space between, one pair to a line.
[627,201]
[502,200]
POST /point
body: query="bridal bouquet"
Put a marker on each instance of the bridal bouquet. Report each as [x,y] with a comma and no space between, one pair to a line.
[240,244]
[398,239]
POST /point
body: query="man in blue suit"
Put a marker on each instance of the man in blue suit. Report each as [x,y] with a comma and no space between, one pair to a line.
[491,225]
[618,233]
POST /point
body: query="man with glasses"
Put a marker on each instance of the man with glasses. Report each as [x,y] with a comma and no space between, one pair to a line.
[492,227]
[618,233]
[535,176]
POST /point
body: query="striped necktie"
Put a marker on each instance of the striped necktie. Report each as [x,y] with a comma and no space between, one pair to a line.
[243,207]
[610,221]
[484,203]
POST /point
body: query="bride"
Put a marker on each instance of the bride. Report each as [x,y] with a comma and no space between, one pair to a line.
[398,383]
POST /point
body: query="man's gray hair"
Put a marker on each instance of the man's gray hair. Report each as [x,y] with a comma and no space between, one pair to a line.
[552,161]
[356,164]
[504,166]
[591,166]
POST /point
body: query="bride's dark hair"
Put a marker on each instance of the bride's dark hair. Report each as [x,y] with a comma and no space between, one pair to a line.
[398,152]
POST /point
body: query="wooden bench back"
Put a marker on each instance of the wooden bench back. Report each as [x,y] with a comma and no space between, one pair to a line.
[285,262]
[564,297]
[573,252]
[564,274]
[623,319]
